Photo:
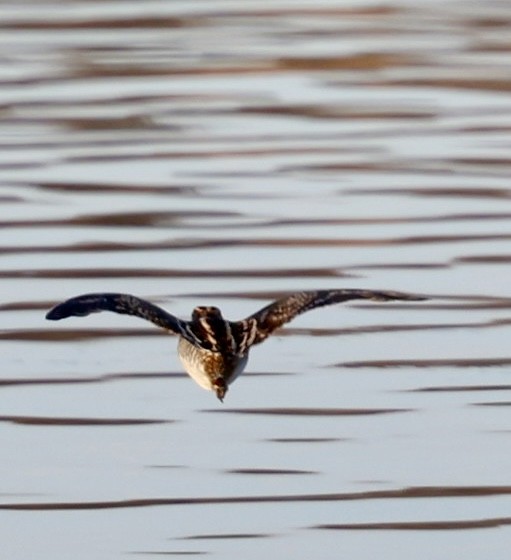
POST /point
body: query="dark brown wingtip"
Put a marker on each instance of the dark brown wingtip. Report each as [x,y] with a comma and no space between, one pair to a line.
[413,297]
[79,306]
[54,314]
[400,296]
[64,310]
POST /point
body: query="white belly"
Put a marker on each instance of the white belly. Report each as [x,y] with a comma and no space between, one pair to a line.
[195,362]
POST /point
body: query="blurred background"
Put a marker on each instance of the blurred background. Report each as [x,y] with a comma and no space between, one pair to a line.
[227,153]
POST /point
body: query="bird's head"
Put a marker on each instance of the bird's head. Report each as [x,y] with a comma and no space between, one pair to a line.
[206,313]
[220,388]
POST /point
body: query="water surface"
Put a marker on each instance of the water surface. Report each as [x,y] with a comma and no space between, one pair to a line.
[226,153]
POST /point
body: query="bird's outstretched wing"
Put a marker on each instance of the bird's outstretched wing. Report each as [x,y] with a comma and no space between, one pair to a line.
[125,304]
[284,310]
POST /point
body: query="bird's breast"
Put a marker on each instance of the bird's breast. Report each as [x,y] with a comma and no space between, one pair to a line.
[204,366]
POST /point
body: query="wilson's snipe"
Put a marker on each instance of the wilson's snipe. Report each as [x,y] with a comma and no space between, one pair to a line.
[215,351]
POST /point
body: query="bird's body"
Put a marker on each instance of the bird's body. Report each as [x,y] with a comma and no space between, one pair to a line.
[215,351]
[213,371]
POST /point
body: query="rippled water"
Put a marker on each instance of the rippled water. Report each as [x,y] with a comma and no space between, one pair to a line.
[227,153]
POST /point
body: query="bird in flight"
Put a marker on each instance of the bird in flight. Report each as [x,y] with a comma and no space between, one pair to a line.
[213,350]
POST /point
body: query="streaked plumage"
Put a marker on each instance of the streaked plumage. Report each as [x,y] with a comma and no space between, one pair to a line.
[215,351]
